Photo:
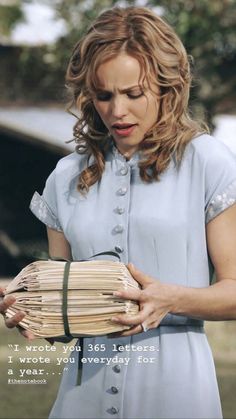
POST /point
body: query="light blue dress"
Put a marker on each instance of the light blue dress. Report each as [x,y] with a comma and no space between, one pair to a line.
[160,228]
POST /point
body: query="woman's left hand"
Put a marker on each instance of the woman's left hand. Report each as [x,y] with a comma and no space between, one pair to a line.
[155,301]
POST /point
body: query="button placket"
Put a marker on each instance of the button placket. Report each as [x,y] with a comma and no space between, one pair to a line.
[116,374]
[120,210]
[118,377]
[116,396]
[118,228]
[122,194]
[124,170]
[117,368]
[119,249]
[114,410]
[122,191]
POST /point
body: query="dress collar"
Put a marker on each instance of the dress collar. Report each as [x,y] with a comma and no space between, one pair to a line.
[133,161]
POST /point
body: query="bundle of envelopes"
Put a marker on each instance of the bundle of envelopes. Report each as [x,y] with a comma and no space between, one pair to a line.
[86,304]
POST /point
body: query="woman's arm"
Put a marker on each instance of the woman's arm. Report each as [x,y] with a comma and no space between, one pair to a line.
[216,302]
[58,246]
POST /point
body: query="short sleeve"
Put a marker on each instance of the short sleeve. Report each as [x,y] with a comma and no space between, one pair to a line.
[45,207]
[220,178]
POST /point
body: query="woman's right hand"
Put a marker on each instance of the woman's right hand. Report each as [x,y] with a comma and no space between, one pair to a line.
[6,302]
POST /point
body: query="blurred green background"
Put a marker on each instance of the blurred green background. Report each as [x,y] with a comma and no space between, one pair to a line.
[32,74]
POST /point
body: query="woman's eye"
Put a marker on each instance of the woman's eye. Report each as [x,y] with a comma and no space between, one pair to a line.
[134,95]
[103,97]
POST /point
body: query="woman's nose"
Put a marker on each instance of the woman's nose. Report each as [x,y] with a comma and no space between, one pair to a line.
[119,108]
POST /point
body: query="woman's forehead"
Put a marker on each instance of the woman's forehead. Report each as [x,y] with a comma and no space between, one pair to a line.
[124,72]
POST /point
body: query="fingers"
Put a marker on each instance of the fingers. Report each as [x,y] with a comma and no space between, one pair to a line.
[15,320]
[128,320]
[139,276]
[148,318]
[6,303]
[130,294]
[149,324]
[133,293]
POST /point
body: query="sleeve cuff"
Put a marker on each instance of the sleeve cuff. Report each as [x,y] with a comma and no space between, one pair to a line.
[221,202]
[41,210]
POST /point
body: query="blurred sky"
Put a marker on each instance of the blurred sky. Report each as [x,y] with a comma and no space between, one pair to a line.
[40,26]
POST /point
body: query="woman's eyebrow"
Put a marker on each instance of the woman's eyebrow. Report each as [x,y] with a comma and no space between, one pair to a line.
[127,89]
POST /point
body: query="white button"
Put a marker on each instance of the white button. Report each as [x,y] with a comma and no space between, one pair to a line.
[114,410]
[119,228]
[124,171]
[119,249]
[120,210]
[122,191]
[114,390]
[116,368]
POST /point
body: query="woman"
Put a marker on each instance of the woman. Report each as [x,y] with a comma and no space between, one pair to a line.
[148,182]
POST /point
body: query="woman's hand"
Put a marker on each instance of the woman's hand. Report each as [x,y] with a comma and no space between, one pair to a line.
[6,302]
[155,301]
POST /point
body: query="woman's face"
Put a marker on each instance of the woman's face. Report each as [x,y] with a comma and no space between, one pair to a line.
[127,110]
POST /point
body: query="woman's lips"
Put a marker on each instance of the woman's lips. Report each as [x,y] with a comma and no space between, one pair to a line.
[124,131]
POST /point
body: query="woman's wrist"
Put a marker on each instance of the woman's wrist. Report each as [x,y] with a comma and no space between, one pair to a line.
[189,301]
[174,296]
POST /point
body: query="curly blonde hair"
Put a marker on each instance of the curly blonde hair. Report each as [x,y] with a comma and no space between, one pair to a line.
[163,60]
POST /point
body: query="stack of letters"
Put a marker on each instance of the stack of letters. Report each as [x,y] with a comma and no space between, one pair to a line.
[62,298]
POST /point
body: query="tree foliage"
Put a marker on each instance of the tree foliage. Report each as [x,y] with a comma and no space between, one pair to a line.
[207,29]
[10,15]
